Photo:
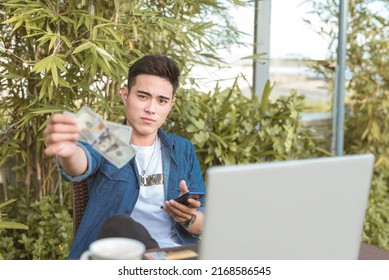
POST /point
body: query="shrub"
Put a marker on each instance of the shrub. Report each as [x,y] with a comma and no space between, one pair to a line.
[49,235]
[367,119]
[228,127]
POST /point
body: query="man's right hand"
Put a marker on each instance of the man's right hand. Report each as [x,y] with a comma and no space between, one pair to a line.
[61,135]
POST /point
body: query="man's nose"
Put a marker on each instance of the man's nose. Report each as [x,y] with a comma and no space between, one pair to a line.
[151,106]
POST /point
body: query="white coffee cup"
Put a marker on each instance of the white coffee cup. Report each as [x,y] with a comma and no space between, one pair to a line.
[114,248]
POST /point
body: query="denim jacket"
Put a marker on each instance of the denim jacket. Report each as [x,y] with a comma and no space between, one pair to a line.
[115,191]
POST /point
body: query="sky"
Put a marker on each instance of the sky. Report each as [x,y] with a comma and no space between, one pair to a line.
[288,33]
[289,37]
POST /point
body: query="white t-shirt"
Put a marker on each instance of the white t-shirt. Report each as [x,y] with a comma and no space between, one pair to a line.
[147,209]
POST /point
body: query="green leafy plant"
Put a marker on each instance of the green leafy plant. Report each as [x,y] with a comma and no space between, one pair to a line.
[367,91]
[74,53]
[8,224]
[58,55]
[228,127]
[49,235]
[61,55]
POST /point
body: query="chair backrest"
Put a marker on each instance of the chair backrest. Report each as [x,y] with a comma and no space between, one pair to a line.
[80,199]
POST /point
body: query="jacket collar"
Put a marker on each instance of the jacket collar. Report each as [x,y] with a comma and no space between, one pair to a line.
[165,140]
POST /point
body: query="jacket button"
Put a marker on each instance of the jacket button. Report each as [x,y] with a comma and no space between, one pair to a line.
[113,175]
[127,211]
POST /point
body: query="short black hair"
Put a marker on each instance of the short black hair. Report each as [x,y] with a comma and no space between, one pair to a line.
[157,65]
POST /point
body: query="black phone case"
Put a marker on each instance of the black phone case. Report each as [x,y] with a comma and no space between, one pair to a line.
[183,199]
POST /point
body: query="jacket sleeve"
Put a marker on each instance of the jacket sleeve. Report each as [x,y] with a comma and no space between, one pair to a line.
[94,160]
[195,176]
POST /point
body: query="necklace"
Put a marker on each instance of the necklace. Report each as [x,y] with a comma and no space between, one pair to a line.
[143,176]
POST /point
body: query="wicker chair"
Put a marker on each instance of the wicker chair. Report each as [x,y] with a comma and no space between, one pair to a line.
[80,199]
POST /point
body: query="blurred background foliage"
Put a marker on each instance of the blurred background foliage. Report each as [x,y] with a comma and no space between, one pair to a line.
[228,127]
[367,95]
[58,55]
[7,224]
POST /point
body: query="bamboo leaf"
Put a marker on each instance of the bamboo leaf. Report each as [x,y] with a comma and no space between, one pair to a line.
[2,205]
[94,33]
[42,40]
[265,97]
[12,19]
[105,54]
[43,89]
[67,41]
[59,62]
[46,110]
[54,73]
[104,64]
[53,40]
[82,47]
[50,89]
[63,82]
[43,64]
[12,225]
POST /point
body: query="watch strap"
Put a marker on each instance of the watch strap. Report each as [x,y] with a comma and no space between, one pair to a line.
[190,221]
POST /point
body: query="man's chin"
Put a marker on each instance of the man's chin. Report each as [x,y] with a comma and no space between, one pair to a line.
[146,132]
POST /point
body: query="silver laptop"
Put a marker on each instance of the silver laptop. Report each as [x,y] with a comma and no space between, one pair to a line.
[300,209]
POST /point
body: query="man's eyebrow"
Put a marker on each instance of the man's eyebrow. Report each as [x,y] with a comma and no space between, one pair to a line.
[144,92]
[149,94]
[164,97]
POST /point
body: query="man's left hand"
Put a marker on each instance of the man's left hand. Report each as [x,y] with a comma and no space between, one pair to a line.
[181,213]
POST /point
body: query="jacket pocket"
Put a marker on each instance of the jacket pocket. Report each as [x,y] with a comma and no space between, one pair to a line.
[111,183]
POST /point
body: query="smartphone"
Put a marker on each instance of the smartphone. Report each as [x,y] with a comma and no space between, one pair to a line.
[183,199]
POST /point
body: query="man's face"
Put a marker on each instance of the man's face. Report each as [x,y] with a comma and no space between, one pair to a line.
[147,105]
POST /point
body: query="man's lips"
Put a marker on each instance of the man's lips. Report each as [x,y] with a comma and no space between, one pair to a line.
[148,120]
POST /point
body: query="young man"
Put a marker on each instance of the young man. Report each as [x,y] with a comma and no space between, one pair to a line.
[136,200]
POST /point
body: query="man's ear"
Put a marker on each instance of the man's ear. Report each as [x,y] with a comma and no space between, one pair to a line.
[124,94]
[173,101]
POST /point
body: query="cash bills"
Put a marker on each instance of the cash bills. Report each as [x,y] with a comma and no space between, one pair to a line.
[110,139]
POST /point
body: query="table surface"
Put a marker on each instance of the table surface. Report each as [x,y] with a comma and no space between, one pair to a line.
[369,252]
[366,252]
